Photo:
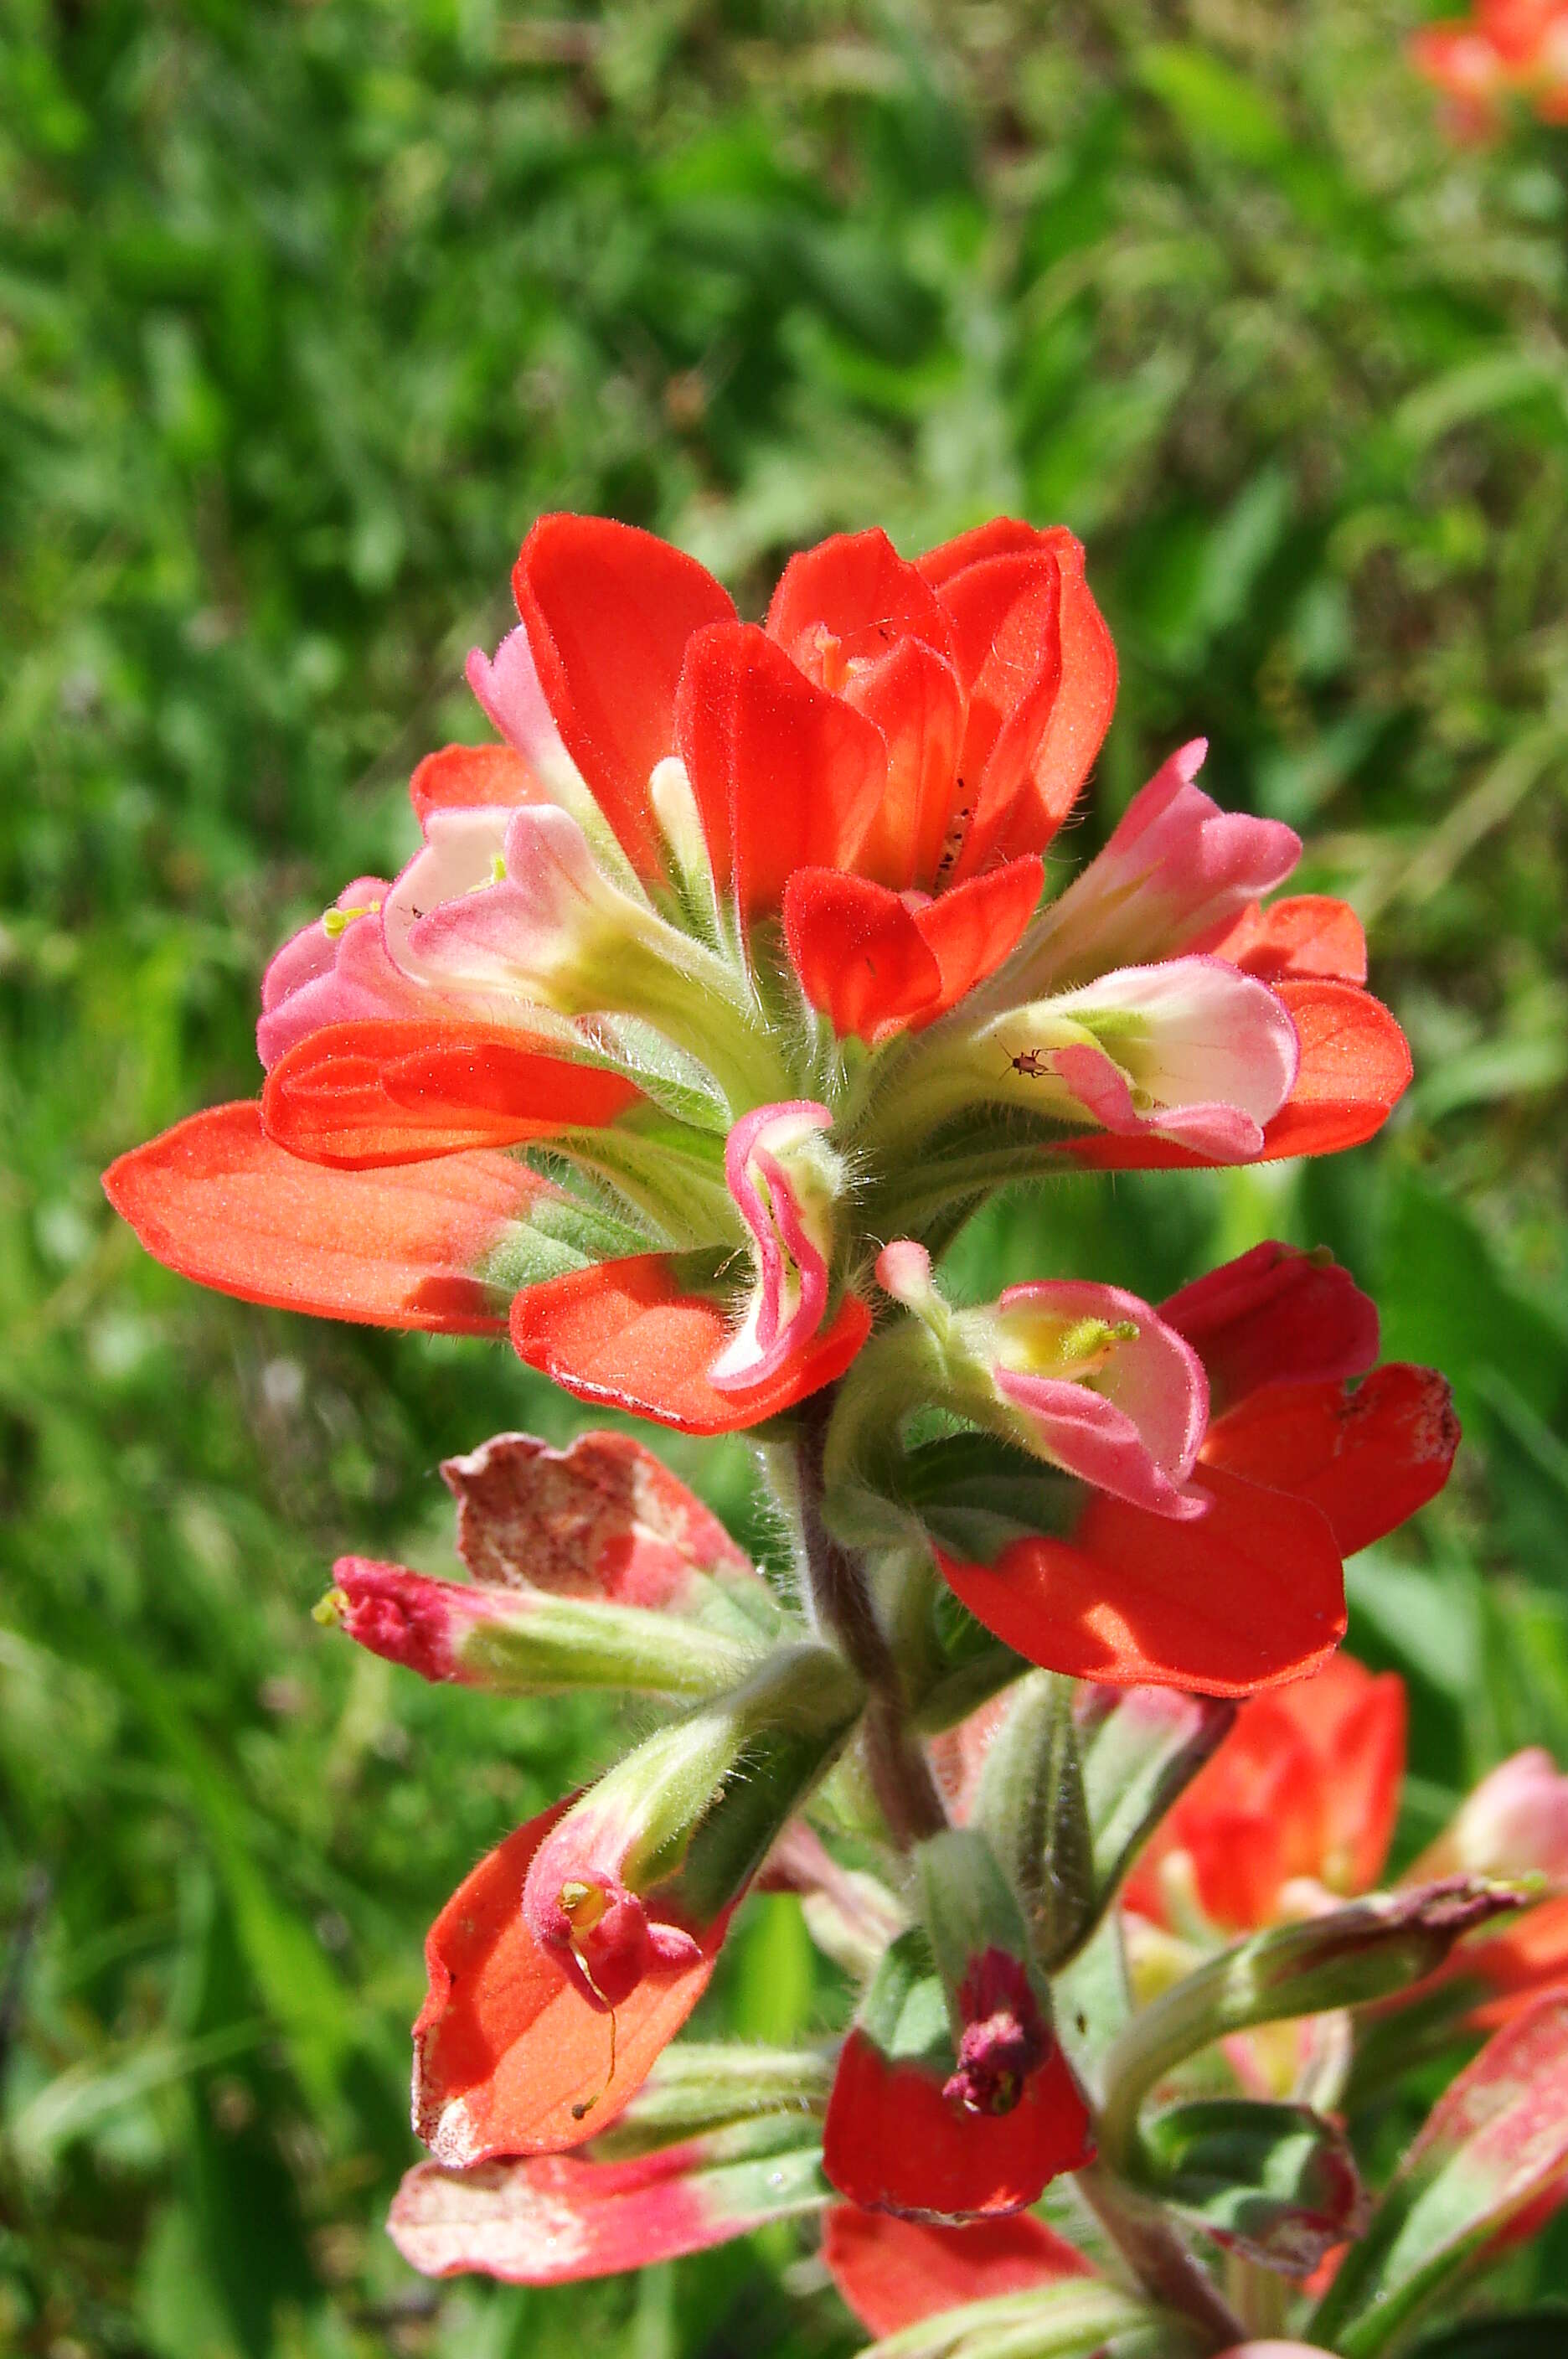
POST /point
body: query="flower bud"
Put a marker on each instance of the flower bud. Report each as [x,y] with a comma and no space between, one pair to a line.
[1515,1824]
[525,1641]
[1030,1805]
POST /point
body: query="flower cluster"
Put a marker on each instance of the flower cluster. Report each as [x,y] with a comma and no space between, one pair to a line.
[721,990]
[1505,51]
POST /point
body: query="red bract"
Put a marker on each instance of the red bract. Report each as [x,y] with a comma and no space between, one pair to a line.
[219,1202]
[895,2141]
[554,2219]
[512,2050]
[601,1518]
[627,1333]
[894,2272]
[1298,1470]
[1248,1593]
[1506,50]
[1305,1786]
[367,1095]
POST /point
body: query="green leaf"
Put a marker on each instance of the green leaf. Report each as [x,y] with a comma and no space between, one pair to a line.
[1494,2147]
[1275,2182]
[1141,1751]
[1053,2322]
[1031,1806]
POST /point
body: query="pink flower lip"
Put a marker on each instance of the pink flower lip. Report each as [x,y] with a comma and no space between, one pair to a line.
[507,686]
[574,1902]
[780,1238]
[1131,1425]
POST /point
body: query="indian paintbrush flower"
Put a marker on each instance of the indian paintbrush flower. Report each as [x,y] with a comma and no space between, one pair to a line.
[711,1001]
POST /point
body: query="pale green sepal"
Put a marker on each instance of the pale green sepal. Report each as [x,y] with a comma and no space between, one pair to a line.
[1071,2320]
[560,1235]
[1346,1958]
[537,1644]
[757,1754]
[967,1907]
[699,2085]
[1031,1806]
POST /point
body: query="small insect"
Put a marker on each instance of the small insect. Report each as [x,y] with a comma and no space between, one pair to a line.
[1031,1063]
[953,843]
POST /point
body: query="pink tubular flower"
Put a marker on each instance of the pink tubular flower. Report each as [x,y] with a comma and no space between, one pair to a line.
[1086,1377]
[784,1184]
[1176,876]
[1104,1388]
[1515,1824]
[576,1905]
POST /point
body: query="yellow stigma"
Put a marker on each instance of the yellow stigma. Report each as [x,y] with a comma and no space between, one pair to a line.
[582,1905]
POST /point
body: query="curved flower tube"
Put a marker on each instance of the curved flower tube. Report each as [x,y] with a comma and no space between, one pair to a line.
[784,1182]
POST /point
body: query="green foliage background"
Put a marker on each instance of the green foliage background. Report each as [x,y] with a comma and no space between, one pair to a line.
[305,311]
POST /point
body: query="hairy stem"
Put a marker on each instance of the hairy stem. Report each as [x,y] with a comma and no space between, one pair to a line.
[1158,2259]
[840,1598]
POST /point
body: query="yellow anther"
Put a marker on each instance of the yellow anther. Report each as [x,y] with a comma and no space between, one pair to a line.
[582,1905]
[1087,1338]
[329,1611]
[338,921]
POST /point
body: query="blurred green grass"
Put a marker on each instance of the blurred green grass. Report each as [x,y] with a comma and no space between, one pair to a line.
[305,311]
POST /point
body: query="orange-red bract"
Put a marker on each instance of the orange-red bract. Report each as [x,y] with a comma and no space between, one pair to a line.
[786,776]
[1367,1459]
[511,2050]
[1274,1316]
[366,1095]
[1305,934]
[893,2142]
[1306,1783]
[1240,1598]
[627,1333]
[873,964]
[608,611]
[218,1200]
[894,2272]
[462,778]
